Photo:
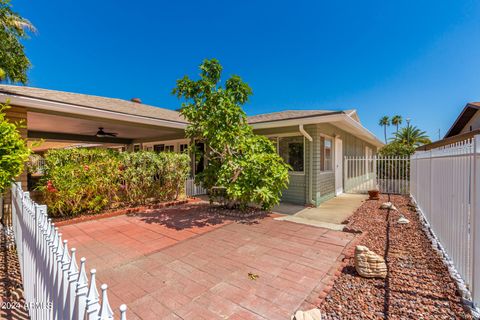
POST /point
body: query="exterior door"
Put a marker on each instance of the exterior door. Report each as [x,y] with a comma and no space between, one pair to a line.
[338,166]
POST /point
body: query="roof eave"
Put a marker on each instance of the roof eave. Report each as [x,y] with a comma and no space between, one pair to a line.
[342,118]
[39,105]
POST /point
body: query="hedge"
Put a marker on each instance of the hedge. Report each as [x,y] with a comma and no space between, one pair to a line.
[91,180]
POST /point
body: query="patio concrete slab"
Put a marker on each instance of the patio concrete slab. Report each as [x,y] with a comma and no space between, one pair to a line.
[255,269]
[330,214]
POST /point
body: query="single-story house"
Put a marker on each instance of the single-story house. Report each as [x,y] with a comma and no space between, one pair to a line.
[313,142]
[464,127]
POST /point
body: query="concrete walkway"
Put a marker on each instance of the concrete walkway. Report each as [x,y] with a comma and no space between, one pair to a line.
[330,214]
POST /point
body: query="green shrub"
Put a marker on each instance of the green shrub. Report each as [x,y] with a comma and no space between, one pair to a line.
[90,180]
[13,151]
[150,175]
[78,180]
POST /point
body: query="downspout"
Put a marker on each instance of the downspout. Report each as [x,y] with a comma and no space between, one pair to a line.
[310,156]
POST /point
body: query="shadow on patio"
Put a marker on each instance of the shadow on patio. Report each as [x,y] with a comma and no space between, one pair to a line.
[192,215]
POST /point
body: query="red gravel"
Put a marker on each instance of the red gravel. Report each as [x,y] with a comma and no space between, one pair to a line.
[11,293]
[418,285]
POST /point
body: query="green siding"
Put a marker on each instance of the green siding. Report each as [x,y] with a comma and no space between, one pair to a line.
[323,183]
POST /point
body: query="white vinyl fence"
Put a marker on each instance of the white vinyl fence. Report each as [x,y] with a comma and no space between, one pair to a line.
[54,286]
[445,184]
[387,174]
[192,189]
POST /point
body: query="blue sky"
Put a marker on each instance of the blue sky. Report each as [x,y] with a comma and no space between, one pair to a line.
[419,59]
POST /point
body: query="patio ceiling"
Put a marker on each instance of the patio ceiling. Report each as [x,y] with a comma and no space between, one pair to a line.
[77,128]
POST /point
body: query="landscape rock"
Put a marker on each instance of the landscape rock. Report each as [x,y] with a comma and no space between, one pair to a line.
[388,205]
[403,220]
[369,264]
[312,314]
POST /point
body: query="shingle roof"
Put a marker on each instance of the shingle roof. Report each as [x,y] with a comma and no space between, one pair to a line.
[97,102]
[139,109]
[289,114]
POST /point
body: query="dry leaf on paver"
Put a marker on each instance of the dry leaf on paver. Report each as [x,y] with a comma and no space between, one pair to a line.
[253,276]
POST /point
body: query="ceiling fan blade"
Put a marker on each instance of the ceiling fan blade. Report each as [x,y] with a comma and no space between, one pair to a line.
[100,133]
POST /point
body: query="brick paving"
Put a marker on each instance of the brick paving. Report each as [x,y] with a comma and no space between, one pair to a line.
[189,263]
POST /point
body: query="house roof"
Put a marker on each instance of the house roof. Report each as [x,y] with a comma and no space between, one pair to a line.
[467,113]
[289,115]
[59,102]
[95,102]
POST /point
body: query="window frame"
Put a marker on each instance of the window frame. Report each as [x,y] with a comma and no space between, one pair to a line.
[287,135]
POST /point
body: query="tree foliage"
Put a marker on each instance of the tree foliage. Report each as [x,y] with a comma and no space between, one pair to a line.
[411,136]
[397,149]
[13,28]
[396,121]
[245,164]
[13,151]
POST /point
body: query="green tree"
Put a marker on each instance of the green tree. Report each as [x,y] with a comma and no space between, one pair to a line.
[397,149]
[384,122]
[396,121]
[243,163]
[13,151]
[411,136]
[13,28]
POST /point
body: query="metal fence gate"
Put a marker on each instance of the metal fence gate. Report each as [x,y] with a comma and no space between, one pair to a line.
[387,174]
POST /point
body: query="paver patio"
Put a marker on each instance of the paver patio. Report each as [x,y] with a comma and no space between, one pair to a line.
[189,263]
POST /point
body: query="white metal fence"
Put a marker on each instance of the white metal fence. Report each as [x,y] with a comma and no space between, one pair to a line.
[388,174]
[54,286]
[445,184]
[192,189]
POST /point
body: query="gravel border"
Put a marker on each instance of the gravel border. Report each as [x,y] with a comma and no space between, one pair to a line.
[11,287]
[438,247]
[418,285]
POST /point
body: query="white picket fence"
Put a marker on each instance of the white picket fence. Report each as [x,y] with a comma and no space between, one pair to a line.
[192,189]
[54,286]
[387,174]
[445,184]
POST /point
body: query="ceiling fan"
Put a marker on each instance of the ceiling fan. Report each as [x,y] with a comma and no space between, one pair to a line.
[102,134]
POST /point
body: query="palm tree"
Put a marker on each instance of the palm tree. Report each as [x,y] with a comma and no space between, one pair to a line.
[412,136]
[384,122]
[397,120]
[12,21]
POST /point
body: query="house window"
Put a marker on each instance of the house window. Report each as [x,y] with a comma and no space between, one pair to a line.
[169,148]
[183,147]
[326,154]
[158,147]
[291,149]
[136,147]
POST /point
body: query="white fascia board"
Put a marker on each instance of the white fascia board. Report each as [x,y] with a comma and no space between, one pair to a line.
[38,105]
